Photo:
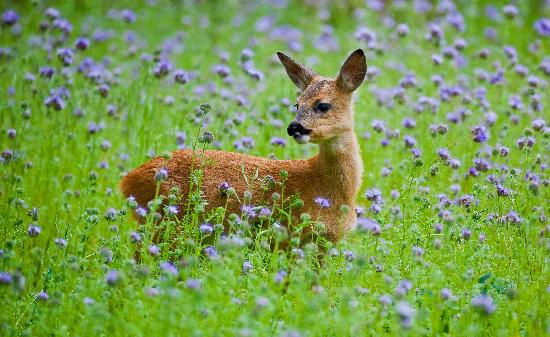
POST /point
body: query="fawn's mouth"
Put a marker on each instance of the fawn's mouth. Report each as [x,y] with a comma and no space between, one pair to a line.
[301,139]
[298,132]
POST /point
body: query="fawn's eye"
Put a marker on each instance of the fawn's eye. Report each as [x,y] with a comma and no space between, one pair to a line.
[322,107]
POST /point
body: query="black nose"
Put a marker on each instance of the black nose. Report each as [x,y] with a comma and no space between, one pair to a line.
[297,129]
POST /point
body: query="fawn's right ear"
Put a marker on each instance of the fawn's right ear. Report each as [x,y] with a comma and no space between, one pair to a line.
[300,75]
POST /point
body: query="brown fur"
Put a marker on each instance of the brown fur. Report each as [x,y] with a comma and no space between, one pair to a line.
[335,173]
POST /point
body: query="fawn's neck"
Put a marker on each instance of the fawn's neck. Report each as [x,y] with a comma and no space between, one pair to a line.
[339,162]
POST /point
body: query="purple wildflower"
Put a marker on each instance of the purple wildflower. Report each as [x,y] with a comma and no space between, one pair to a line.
[322,202]
[113,278]
[161,174]
[33,230]
[466,233]
[206,229]
[484,304]
[277,141]
[169,268]
[135,237]
[42,296]
[10,17]
[193,284]
[374,195]
[406,313]
[480,134]
[5,278]
[171,210]
[210,252]
[65,55]
[60,242]
[247,267]
[162,68]
[542,27]
[153,250]
[82,43]
[181,76]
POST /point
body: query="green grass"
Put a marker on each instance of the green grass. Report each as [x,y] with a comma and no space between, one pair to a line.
[56,161]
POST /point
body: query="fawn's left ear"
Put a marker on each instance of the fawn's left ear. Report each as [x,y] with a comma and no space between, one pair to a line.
[353,71]
[299,74]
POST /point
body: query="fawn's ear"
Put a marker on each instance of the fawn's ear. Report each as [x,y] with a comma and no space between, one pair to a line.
[300,75]
[353,71]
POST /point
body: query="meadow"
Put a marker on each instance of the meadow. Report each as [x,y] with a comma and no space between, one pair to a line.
[452,237]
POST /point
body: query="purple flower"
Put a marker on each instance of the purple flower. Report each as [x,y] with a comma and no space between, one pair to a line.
[33,230]
[60,242]
[542,27]
[417,251]
[247,267]
[322,202]
[82,43]
[374,195]
[445,293]
[55,101]
[5,278]
[280,276]
[128,16]
[484,304]
[466,233]
[224,187]
[277,141]
[169,268]
[406,313]
[141,212]
[210,252]
[171,210]
[480,134]
[409,141]
[193,284]
[349,255]
[443,153]
[264,213]
[154,250]
[248,211]
[113,278]
[162,68]
[513,218]
[10,17]
[161,174]
[206,229]
[135,237]
[65,55]
[181,76]
[368,224]
[103,90]
[402,30]
[42,296]
[510,11]
[385,300]
[501,190]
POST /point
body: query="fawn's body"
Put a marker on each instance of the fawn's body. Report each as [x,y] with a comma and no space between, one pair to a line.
[335,173]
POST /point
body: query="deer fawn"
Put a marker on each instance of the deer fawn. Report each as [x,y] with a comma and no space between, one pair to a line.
[324,117]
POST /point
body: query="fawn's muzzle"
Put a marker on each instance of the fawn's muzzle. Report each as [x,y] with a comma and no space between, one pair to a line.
[298,132]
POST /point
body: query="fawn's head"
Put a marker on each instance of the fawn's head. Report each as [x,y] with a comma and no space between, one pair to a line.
[323,108]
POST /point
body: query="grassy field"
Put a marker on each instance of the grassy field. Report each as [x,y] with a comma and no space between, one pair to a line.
[453,120]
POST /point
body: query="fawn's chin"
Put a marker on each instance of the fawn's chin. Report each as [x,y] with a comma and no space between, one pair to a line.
[301,139]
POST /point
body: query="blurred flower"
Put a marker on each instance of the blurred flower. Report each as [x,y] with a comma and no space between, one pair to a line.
[33,230]
[542,27]
[113,277]
[322,202]
[247,267]
[42,296]
[10,17]
[406,313]
[484,304]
